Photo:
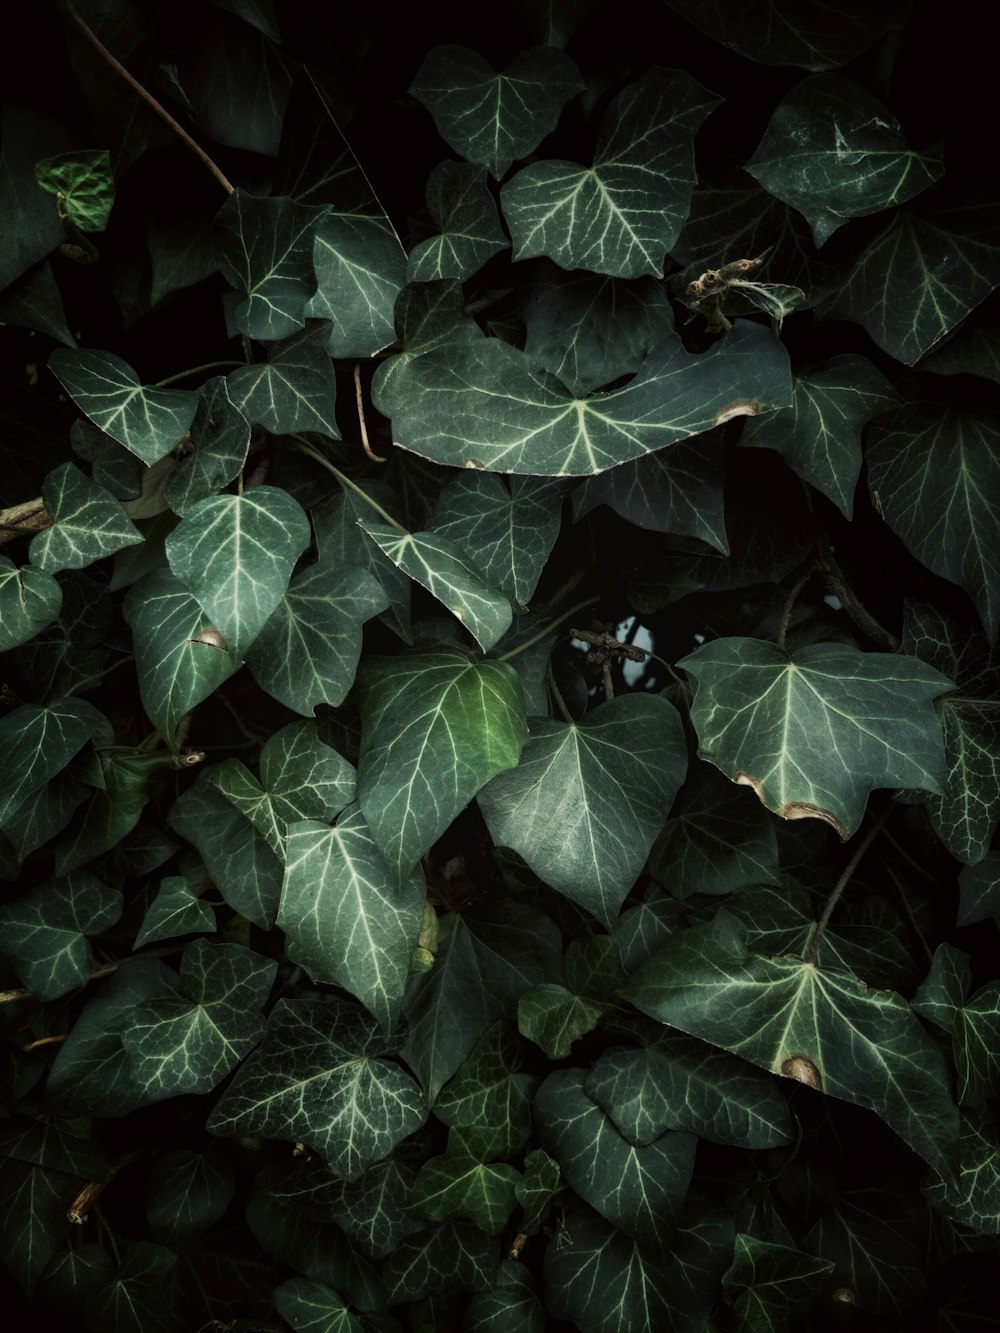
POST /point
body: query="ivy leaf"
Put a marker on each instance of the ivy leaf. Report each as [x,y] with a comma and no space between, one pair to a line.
[488,1093]
[149,422]
[511,1303]
[492,119]
[266,253]
[186,1193]
[465,1182]
[676,1083]
[313,1307]
[437,564]
[933,474]
[122,787]
[321,1078]
[88,523]
[621,215]
[235,555]
[30,600]
[436,728]
[553,1018]
[309,649]
[34,301]
[295,391]
[972,1023]
[639,1190]
[834,152]
[176,910]
[973,1200]
[813,733]
[823,1028]
[979,891]
[919,277]
[455,1256]
[245,869]
[344,921]
[772,1284]
[33,1203]
[45,934]
[467,218]
[536,1189]
[74,1274]
[821,440]
[189,1043]
[84,181]
[140,1295]
[587,799]
[484,404]
[974,349]
[38,742]
[180,656]
[300,778]
[372,1209]
[221,437]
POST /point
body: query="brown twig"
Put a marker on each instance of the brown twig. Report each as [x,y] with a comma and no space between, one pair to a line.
[44,1041]
[837,582]
[359,396]
[79,1209]
[147,97]
[792,598]
[21,519]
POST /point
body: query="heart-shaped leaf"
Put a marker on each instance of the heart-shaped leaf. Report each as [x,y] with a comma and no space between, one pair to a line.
[45,934]
[88,523]
[30,600]
[38,742]
[464,212]
[295,391]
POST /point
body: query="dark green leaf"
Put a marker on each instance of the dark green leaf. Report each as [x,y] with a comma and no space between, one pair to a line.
[979,888]
[295,391]
[220,438]
[313,1307]
[33,1203]
[45,934]
[771,1284]
[465,1182]
[35,302]
[139,1298]
[455,1256]
[553,1018]
[372,1209]
[974,349]
[126,784]
[236,84]
[30,600]
[83,182]
[38,742]
[541,1181]
[88,523]
[974,1199]
[176,910]
[487,1091]
[74,1274]
[186,1192]
[510,1306]
[464,212]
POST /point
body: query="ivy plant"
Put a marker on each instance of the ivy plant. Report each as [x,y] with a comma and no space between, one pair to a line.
[499,596]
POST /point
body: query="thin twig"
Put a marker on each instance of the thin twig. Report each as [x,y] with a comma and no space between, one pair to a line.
[44,1041]
[842,883]
[792,598]
[147,97]
[549,628]
[837,583]
[556,694]
[100,970]
[88,1195]
[196,370]
[306,448]
[360,397]
[21,519]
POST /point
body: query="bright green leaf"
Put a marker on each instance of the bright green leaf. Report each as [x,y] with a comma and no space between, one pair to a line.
[464,1182]
[86,184]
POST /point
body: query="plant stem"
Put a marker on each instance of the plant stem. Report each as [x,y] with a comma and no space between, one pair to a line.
[101,970]
[541,634]
[555,692]
[306,448]
[904,899]
[837,582]
[360,399]
[792,598]
[92,680]
[147,97]
[842,883]
[31,516]
[196,370]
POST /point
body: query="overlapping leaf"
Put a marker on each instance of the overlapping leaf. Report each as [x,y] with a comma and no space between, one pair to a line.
[487,1092]
[813,733]
[149,422]
[85,182]
[29,601]
[553,1017]
[45,934]
[313,1307]
[295,391]
[973,1023]
[87,523]
[483,404]
[220,437]
[973,1200]
[39,742]
[466,1182]
[187,1191]
[587,799]
[176,910]
[492,119]
[455,1256]
[470,231]
[771,1284]
[621,215]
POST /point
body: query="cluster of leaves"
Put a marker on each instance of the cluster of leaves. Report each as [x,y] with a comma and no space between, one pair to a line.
[480,535]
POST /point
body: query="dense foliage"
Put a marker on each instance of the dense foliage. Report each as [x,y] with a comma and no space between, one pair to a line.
[499,588]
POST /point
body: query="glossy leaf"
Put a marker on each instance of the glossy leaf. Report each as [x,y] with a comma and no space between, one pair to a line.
[464,1182]
[823,1028]
[483,404]
[933,476]
[30,600]
[45,934]
[39,742]
[344,920]
[87,523]
[220,438]
[176,910]
[466,216]
[295,391]
[492,119]
[235,555]
[437,727]
[321,1078]
[85,184]
[553,1018]
[813,733]
[772,1284]
[487,1092]
[149,422]
[587,799]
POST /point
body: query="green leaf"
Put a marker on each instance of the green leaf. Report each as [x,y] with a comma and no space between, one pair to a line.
[933,475]
[465,214]
[34,301]
[33,1204]
[821,441]
[38,742]
[541,1181]
[186,1192]
[807,33]
[235,555]
[834,152]
[181,658]
[30,223]
[139,1298]
[979,890]
[176,910]
[149,422]
[492,119]
[88,523]
[436,728]
[553,1018]
[438,564]
[265,252]
[772,1284]
[372,1209]
[190,1042]
[295,391]
[506,530]
[313,1307]
[84,184]
[300,778]
[464,1182]
[587,799]
[676,1083]
[245,869]
[45,934]
[309,649]
[974,349]
[344,920]
[973,1200]
[126,784]
[488,1093]
[919,277]
[510,1306]
[30,600]
[973,1024]
[483,404]
[260,14]
[813,733]
[320,1078]
[455,1256]
[220,437]
[823,1028]
[639,1190]
[74,1274]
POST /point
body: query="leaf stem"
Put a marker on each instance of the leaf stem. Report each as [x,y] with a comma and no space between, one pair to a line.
[92,680]
[18,521]
[547,629]
[789,607]
[842,883]
[837,582]
[196,370]
[306,448]
[360,399]
[100,970]
[556,694]
[147,97]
